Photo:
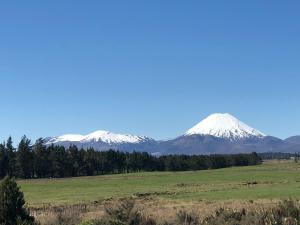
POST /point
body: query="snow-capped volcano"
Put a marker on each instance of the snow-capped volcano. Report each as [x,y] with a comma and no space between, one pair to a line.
[99,136]
[217,134]
[224,126]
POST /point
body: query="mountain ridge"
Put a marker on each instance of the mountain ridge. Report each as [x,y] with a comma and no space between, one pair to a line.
[100,135]
[216,134]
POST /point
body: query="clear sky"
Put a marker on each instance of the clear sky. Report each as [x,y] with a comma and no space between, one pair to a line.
[147,67]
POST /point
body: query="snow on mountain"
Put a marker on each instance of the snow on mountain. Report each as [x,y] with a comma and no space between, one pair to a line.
[217,134]
[109,137]
[99,136]
[67,137]
[224,126]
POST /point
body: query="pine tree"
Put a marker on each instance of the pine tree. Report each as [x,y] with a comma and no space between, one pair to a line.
[90,162]
[41,159]
[59,159]
[3,161]
[12,210]
[24,159]
[74,159]
[11,155]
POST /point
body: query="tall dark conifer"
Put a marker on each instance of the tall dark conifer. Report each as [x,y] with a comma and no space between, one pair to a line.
[12,210]
[74,160]
[3,161]
[24,159]
[41,159]
[11,155]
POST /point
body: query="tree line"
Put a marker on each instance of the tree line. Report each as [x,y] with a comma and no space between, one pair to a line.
[276,155]
[40,161]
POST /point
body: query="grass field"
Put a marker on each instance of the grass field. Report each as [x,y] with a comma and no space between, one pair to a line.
[271,180]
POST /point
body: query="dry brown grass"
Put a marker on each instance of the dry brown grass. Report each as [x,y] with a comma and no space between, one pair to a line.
[160,209]
[78,213]
[164,210]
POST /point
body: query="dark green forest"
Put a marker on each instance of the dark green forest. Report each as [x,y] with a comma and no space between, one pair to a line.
[37,160]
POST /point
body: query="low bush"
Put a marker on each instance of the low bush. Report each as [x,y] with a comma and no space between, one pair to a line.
[92,222]
[62,219]
[122,212]
[187,218]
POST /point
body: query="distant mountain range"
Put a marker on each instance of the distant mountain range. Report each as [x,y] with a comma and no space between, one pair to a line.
[217,134]
[104,140]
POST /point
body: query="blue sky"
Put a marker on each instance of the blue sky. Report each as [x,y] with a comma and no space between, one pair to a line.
[147,67]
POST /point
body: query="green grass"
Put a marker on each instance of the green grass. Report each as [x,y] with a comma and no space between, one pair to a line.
[274,181]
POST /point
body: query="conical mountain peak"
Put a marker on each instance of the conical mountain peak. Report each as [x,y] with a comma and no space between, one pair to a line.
[224,125]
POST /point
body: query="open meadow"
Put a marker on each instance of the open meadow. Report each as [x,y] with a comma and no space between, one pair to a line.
[269,181]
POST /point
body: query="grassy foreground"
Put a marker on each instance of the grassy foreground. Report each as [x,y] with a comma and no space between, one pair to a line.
[272,180]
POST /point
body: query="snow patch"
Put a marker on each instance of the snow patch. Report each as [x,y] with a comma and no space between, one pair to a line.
[100,135]
[224,126]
